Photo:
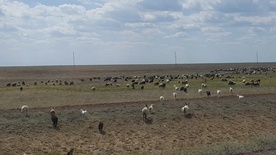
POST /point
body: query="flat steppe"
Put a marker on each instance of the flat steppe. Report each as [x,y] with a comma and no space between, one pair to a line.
[219,124]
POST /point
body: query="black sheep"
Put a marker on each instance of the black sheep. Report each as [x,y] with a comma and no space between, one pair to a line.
[101,127]
[70,152]
[54,117]
[54,120]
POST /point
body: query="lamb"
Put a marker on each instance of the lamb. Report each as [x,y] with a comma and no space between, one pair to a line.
[161,98]
[83,111]
[203,85]
[54,117]
[25,109]
[200,91]
[174,95]
[151,108]
[208,93]
[93,88]
[218,92]
[145,112]
[240,96]
[231,90]
[184,109]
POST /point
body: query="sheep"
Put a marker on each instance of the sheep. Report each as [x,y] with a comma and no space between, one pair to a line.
[203,85]
[25,109]
[174,95]
[184,109]
[187,85]
[208,93]
[231,90]
[83,111]
[145,112]
[218,92]
[240,96]
[151,108]
[161,98]
[21,88]
[100,127]
[200,91]
[70,152]
[54,117]
[93,88]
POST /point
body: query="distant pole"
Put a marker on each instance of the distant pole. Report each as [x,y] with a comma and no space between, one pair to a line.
[257,55]
[73,59]
[175,60]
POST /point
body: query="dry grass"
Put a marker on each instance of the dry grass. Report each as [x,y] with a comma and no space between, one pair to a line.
[216,126]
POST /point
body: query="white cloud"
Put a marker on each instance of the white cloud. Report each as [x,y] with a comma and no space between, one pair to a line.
[148,27]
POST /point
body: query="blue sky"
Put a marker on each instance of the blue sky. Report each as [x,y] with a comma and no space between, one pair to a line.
[46,32]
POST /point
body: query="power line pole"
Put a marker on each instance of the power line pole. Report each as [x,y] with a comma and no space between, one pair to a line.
[73,59]
[257,55]
[175,60]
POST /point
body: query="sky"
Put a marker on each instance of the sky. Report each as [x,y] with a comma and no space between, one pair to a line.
[103,32]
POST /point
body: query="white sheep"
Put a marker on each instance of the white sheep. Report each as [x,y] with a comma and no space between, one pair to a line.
[161,98]
[231,90]
[184,109]
[200,91]
[218,92]
[145,112]
[25,109]
[83,111]
[174,95]
[151,108]
[187,85]
[240,96]
[203,85]
[93,88]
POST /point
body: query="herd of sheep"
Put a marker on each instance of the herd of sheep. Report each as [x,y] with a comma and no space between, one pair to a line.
[160,82]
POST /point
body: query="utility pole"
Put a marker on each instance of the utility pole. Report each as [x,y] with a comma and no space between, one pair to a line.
[257,55]
[73,59]
[175,60]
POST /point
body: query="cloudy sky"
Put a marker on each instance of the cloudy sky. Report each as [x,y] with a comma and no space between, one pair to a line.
[96,32]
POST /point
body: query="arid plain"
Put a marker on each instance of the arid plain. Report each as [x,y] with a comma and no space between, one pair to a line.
[219,124]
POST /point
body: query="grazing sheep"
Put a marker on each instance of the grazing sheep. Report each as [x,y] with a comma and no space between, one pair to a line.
[187,85]
[218,92]
[231,90]
[100,126]
[145,112]
[25,109]
[70,152]
[161,98]
[208,93]
[54,117]
[184,109]
[83,111]
[240,96]
[174,95]
[203,85]
[151,108]
[21,88]
[200,91]
[93,88]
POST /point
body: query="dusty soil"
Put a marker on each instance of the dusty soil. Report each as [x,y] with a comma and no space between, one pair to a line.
[210,121]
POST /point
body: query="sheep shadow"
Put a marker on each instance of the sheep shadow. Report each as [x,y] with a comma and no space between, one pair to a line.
[189,115]
[102,132]
[148,120]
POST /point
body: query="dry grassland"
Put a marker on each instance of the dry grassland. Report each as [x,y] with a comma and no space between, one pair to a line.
[215,125]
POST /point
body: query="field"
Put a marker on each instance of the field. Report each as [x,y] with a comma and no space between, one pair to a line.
[214,125]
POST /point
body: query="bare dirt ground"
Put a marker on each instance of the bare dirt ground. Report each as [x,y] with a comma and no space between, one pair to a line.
[211,121]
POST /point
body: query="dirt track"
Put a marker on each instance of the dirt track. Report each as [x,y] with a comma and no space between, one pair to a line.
[213,121]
